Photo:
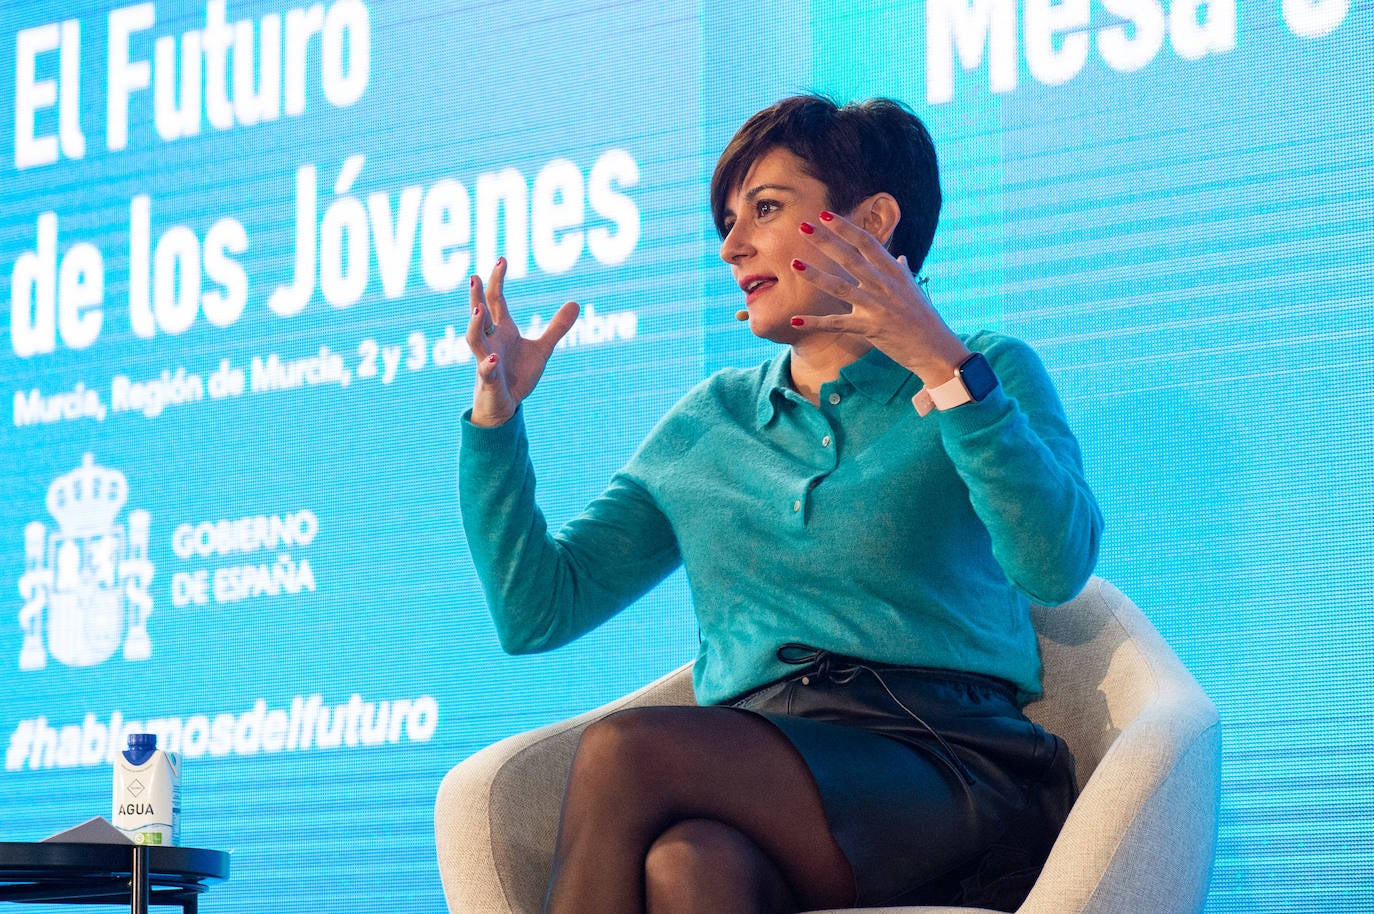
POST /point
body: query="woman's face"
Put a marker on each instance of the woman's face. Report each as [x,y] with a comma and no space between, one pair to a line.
[762,238]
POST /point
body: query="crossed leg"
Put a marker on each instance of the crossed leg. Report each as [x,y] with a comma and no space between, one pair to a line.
[693,809]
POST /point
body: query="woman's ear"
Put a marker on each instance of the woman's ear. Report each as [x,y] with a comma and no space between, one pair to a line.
[879,215]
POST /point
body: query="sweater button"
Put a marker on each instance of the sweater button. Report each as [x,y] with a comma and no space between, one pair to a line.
[834,399]
[796,506]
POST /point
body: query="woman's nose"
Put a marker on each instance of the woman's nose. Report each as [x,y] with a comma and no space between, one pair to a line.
[734,245]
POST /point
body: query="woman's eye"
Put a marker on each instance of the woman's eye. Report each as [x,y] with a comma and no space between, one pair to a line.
[765,207]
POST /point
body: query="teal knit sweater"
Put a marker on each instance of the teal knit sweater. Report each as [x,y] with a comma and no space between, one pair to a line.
[854,526]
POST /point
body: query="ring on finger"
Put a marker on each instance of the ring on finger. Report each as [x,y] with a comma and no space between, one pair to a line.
[489,329]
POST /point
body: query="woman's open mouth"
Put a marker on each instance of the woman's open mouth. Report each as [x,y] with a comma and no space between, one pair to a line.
[754,286]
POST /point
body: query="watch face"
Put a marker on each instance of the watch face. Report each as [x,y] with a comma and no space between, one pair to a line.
[977,376]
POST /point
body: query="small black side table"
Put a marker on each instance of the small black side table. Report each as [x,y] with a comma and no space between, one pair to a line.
[133,874]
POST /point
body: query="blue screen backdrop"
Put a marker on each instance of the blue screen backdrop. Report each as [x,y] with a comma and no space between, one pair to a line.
[235,240]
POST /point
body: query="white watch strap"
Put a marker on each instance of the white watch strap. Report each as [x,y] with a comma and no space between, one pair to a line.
[948,395]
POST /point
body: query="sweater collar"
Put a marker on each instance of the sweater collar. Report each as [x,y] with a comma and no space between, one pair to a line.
[873,374]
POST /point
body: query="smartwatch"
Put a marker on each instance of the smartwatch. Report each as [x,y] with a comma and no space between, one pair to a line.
[973,380]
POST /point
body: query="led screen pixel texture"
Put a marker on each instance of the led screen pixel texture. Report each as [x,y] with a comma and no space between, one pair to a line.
[235,241]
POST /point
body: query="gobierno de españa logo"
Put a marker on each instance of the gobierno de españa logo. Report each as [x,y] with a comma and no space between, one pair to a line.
[85,582]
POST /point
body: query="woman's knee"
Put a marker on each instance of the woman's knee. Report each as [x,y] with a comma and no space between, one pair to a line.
[619,750]
[700,864]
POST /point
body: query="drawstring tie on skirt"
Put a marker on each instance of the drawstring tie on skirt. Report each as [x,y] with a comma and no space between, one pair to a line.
[843,670]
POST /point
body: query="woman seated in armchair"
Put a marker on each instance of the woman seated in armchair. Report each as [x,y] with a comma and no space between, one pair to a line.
[864,520]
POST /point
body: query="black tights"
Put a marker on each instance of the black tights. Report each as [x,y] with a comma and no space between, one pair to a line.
[693,809]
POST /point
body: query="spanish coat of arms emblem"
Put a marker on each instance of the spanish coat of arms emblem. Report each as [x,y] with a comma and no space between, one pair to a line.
[85,583]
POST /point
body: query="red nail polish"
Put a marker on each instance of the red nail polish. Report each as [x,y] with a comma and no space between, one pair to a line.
[476,311]
[807,228]
[472,281]
[797,322]
[798,266]
[501,260]
[827,216]
[492,357]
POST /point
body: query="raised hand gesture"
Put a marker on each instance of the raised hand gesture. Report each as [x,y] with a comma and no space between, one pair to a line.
[508,365]
[885,306]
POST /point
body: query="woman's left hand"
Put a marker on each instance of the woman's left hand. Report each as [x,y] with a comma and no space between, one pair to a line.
[886,306]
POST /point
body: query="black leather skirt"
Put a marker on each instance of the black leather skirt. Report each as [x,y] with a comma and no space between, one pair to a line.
[936,787]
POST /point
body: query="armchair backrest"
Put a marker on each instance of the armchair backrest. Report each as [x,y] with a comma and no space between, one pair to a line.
[1147,750]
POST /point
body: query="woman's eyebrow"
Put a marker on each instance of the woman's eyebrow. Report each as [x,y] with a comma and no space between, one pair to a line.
[753,192]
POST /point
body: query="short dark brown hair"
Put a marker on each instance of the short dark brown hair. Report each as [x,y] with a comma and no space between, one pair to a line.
[856,151]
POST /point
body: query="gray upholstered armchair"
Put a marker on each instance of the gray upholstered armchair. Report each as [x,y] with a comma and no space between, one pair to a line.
[1140,838]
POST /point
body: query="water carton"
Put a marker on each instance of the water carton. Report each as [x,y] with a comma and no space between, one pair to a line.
[147,792]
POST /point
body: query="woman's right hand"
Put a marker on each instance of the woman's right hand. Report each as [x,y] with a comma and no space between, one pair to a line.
[508,365]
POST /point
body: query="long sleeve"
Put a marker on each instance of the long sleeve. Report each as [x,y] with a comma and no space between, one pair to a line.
[1024,473]
[851,524]
[545,589]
